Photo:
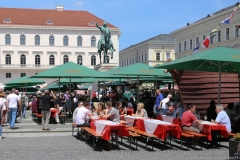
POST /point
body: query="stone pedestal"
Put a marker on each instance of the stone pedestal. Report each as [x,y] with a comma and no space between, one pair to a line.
[105,66]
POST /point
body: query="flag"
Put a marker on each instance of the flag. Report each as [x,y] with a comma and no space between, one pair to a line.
[235,9]
[195,50]
[206,42]
[214,32]
[227,20]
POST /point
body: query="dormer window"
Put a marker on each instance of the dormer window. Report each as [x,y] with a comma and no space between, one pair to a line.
[49,22]
[7,20]
[92,23]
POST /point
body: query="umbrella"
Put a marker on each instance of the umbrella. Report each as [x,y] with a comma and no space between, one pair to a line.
[143,70]
[220,59]
[68,70]
[24,81]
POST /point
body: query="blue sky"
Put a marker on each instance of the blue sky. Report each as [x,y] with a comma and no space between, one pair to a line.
[137,19]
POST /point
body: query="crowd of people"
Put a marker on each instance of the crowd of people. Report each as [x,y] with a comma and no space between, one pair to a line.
[83,107]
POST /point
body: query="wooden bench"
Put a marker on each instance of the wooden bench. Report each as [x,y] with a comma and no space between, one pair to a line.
[196,135]
[231,134]
[123,122]
[95,136]
[144,134]
[61,117]
[185,135]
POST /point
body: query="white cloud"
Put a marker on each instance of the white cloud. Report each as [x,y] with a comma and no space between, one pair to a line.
[79,3]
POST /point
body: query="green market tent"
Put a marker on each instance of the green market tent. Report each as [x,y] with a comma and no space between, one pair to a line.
[220,59]
[24,81]
[143,71]
[68,70]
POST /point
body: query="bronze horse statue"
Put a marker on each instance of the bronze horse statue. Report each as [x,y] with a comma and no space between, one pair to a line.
[105,42]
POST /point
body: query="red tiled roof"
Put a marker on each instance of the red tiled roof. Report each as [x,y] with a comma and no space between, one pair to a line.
[39,17]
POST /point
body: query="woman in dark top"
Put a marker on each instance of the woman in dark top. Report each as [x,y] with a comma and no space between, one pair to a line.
[211,111]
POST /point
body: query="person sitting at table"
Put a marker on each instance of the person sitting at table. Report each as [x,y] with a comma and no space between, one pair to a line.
[119,107]
[101,109]
[211,111]
[222,118]
[188,118]
[82,114]
[80,104]
[179,111]
[113,114]
[129,108]
[141,112]
[230,112]
[172,110]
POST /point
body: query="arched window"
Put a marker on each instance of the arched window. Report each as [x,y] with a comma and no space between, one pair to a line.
[65,41]
[79,60]
[107,59]
[93,60]
[22,40]
[65,59]
[51,60]
[23,60]
[93,41]
[37,61]
[8,39]
[8,59]
[37,40]
[51,40]
[79,41]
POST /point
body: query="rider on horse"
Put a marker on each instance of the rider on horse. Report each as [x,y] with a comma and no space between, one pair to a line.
[105,41]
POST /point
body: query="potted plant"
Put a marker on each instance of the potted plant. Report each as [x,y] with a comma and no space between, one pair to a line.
[234,147]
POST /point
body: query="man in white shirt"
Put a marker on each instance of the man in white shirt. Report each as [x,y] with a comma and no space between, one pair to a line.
[165,104]
[82,114]
[222,118]
[12,102]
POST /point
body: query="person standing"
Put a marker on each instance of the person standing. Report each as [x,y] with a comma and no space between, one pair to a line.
[4,109]
[1,107]
[12,103]
[46,100]
[158,100]
[24,102]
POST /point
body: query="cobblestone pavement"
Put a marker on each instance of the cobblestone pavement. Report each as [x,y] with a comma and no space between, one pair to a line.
[70,147]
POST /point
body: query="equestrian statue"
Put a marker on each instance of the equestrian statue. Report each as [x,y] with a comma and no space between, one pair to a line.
[105,42]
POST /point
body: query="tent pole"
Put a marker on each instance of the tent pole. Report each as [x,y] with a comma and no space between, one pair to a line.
[219,83]
[173,88]
[138,90]
[98,89]
[25,87]
[121,90]
[59,87]
[70,97]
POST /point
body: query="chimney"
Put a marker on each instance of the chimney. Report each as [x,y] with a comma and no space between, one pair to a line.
[59,8]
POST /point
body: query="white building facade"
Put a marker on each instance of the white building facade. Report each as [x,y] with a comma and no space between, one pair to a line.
[27,49]
[188,37]
[153,51]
